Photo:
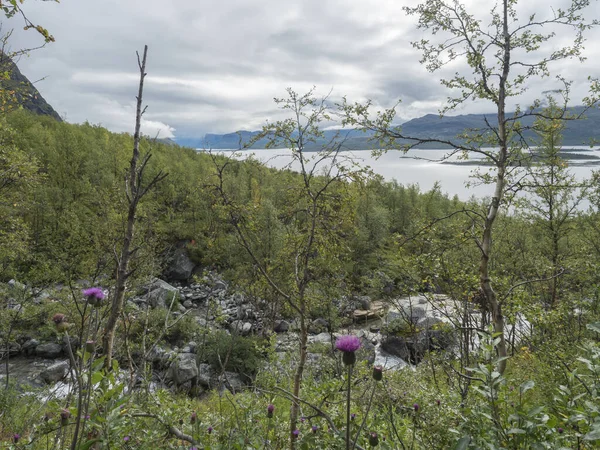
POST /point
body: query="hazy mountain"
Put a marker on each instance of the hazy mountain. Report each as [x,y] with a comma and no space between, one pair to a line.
[578,132]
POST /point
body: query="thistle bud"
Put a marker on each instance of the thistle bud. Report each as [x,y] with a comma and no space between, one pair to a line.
[377,373]
[65,414]
[373,440]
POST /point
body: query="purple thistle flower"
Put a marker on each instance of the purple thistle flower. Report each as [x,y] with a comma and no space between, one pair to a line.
[352,416]
[296,432]
[209,430]
[193,418]
[270,410]
[302,419]
[347,343]
[560,430]
[16,438]
[94,292]
[437,402]
[314,429]
[126,438]
[416,406]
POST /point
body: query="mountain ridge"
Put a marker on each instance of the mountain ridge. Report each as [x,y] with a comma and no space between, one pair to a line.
[432,126]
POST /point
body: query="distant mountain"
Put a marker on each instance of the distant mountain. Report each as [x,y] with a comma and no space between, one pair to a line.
[238,139]
[578,132]
[27,95]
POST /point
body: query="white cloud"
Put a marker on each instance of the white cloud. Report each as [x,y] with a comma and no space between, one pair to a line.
[215,66]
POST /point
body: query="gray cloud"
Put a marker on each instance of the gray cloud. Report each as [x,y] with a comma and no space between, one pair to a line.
[215,66]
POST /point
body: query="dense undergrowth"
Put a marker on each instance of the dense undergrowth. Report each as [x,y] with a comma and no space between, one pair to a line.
[61,222]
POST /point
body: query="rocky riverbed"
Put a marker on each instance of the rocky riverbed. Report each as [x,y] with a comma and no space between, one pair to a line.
[395,334]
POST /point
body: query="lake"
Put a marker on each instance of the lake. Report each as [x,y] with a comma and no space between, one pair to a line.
[425,171]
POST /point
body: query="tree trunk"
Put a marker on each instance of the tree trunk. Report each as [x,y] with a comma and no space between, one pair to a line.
[134,195]
[298,379]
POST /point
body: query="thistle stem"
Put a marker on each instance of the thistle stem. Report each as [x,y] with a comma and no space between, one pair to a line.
[348,389]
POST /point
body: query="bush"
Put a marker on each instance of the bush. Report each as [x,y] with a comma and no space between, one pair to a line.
[232,353]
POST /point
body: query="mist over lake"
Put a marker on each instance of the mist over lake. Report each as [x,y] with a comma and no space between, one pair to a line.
[423,167]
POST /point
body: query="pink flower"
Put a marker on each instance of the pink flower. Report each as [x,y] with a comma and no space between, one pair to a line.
[94,292]
[347,343]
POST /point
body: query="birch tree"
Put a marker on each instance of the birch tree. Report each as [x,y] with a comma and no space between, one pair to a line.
[501,59]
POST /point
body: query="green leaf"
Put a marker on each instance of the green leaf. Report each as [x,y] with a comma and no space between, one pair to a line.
[87,445]
[526,386]
[463,443]
[594,326]
[593,435]
[516,431]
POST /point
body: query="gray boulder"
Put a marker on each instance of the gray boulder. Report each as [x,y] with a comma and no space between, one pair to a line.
[205,375]
[183,369]
[281,326]
[317,326]
[160,294]
[181,266]
[241,327]
[49,350]
[29,346]
[233,382]
[55,372]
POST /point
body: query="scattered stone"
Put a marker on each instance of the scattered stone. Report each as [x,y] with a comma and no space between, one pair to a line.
[50,350]
[160,294]
[376,311]
[205,375]
[29,346]
[183,369]
[317,326]
[55,373]
[281,326]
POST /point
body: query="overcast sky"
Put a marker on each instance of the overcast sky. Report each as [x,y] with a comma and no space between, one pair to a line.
[215,65]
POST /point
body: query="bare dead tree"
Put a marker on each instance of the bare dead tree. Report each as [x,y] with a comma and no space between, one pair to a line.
[135,191]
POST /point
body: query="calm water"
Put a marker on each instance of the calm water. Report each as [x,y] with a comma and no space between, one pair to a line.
[424,172]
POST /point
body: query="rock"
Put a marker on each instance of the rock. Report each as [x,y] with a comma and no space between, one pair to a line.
[281,326]
[189,348]
[205,375]
[183,369]
[160,294]
[188,304]
[376,311]
[72,341]
[180,267]
[49,350]
[317,326]
[364,302]
[401,347]
[241,327]
[321,338]
[55,372]
[219,285]
[159,357]
[233,382]
[29,346]
[413,348]
[428,323]
[13,349]
[408,313]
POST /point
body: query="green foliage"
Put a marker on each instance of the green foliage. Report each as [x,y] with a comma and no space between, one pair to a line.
[233,353]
